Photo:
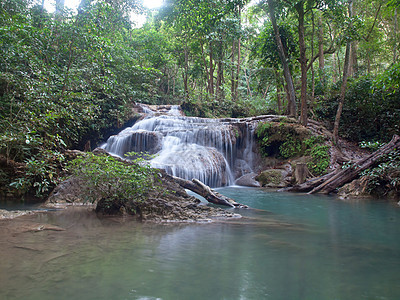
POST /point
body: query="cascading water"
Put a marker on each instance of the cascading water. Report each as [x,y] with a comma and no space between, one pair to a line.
[213,151]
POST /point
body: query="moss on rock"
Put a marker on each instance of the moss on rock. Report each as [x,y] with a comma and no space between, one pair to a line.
[271,178]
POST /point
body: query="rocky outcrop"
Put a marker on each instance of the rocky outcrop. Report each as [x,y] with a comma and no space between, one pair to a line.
[248,180]
[68,192]
[166,202]
[356,189]
[272,178]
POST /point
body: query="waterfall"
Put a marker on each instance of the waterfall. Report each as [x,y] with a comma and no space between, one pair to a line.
[214,151]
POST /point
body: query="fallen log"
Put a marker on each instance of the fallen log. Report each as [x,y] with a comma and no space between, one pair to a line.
[209,194]
[330,182]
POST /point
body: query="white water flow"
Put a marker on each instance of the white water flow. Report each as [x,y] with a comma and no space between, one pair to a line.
[214,151]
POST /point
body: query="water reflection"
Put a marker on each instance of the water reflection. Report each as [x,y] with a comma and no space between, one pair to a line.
[289,247]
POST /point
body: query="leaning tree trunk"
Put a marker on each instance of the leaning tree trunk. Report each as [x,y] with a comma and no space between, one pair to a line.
[209,194]
[330,182]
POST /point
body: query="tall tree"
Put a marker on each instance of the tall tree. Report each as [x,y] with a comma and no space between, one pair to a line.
[344,82]
[292,111]
[303,62]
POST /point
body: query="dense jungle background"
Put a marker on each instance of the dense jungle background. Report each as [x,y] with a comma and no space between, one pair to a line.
[69,78]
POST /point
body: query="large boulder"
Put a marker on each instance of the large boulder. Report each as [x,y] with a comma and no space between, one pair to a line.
[68,192]
[248,180]
[273,178]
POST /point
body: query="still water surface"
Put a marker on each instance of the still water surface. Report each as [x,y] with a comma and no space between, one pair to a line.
[287,247]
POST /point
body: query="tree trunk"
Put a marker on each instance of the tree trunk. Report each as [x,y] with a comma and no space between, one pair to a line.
[395,36]
[238,70]
[278,91]
[344,85]
[301,173]
[233,70]
[205,66]
[312,62]
[220,80]
[354,62]
[209,194]
[334,78]
[321,45]
[186,71]
[330,182]
[347,175]
[303,64]
[292,110]
[211,74]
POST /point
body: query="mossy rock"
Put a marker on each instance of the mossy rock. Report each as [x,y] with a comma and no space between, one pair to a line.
[282,139]
[271,178]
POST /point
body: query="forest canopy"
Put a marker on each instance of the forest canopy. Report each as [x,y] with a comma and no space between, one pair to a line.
[68,77]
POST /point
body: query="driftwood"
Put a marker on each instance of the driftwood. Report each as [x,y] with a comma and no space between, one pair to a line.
[209,194]
[330,182]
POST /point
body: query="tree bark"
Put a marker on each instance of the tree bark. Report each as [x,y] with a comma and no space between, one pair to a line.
[312,64]
[344,84]
[233,70]
[330,182]
[301,173]
[395,36]
[220,80]
[292,110]
[353,62]
[238,70]
[186,71]
[321,45]
[334,78]
[303,64]
[211,69]
[209,194]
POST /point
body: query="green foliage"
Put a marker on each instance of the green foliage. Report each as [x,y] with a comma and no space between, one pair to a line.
[262,133]
[386,176]
[41,173]
[290,148]
[64,80]
[110,179]
[285,142]
[370,113]
[266,49]
[373,146]
[283,139]
[320,159]
[389,81]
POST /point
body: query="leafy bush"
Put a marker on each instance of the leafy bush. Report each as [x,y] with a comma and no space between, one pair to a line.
[112,180]
[386,176]
[320,159]
[41,173]
[319,152]
[371,111]
[283,139]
